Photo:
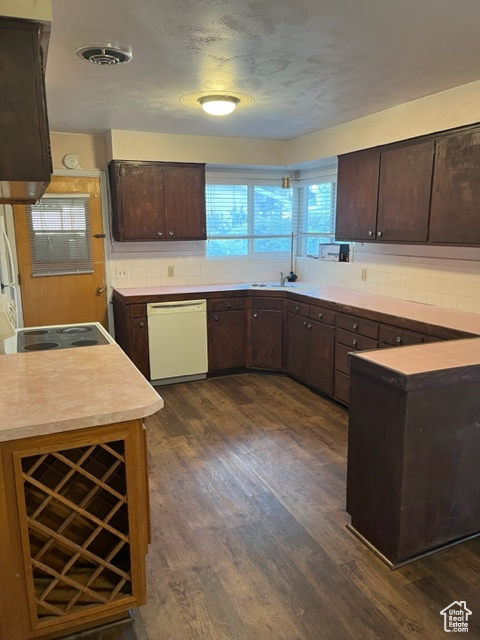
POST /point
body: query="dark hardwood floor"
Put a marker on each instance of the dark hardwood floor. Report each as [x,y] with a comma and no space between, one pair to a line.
[249,538]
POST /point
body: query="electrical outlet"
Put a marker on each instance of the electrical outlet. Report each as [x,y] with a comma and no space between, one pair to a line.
[170,271]
[364,274]
[122,273]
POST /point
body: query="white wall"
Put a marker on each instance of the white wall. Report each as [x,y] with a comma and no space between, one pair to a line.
[191,266]
[28,9]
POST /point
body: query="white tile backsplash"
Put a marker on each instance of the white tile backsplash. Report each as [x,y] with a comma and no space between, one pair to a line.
[443,281]
[438,279]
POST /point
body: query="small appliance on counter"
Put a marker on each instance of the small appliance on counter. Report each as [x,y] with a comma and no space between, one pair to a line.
[334,252]
[68,336]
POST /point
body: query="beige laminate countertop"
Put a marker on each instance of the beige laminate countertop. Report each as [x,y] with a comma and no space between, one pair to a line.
[430,314]
[48,392]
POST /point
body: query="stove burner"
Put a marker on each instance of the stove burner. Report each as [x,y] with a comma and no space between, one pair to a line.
[84,343]
[35,332]
[40,346]
[74,330]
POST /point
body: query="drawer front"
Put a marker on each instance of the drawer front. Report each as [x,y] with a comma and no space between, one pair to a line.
[298,308]
[226,304]
[398,337]
[357,325]
[327,316]
[138,310]
[354,342]
[267,303]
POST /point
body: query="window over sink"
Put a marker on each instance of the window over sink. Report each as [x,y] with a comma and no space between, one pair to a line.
[256,216]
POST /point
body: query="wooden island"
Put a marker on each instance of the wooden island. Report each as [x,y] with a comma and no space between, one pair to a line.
[74,509]
[413,474]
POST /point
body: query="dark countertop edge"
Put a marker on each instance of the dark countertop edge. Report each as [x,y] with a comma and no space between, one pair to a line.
[415,381]
[439,331]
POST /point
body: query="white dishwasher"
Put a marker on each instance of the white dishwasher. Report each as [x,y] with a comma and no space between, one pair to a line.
[177,341]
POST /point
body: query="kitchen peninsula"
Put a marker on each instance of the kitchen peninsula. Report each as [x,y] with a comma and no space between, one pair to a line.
[74,514]
[413,427]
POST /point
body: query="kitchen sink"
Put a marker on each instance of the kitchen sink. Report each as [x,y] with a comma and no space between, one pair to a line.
[288,285]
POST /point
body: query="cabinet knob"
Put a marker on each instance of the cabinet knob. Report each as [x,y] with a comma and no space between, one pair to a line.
[355,326]
[255,315]
[320,316]
[170,233]
[309,326]
[304,325]
[141,324]
[398,340]
[229,306]
[160,233]
[297,309]
[216,318]
[379,234]
[370,234]
[355,343]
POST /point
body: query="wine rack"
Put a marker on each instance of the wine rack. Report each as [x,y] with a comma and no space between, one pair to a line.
[76,538]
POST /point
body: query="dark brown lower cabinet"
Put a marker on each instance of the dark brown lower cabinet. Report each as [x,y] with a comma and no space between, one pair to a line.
[347,342]
[131,333]
[265,330]
[226,340]
[310,352]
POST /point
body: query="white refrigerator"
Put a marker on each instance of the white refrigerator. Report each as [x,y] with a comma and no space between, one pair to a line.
[9,291]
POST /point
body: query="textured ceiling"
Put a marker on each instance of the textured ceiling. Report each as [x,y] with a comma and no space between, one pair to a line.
[308,64]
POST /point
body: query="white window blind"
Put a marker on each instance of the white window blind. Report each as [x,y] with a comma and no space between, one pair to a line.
[60,235]
[245,219]
[317,210]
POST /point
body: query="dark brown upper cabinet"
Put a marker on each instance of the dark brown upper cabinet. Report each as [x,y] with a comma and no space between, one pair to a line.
[455,209]
[357,195]
[157,200]
[385,195]
[25,159]
[424,190]
[404,193]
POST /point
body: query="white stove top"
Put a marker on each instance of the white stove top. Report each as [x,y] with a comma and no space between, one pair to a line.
[55,337]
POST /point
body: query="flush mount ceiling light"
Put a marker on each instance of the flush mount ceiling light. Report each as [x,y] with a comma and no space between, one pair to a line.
[209,101]
[218,105]
[104,54]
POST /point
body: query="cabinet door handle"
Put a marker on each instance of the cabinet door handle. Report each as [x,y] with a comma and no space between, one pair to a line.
[170,233]
[216,318]
[141,324]
[296,309]
[398,340]
[379,234]
[355,343]
[309,326]
[370,234]
[320,316]
[355,326]
[304,325]
[160,233]
[229,306]
[255,315]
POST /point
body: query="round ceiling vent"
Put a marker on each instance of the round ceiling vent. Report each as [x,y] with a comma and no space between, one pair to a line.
[104,54]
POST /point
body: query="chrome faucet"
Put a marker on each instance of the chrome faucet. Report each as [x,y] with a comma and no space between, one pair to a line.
[282,279]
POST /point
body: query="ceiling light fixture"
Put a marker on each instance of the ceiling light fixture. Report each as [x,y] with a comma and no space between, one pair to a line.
[217,105]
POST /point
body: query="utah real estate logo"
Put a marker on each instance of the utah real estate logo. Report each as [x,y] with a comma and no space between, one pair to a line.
[455,617]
